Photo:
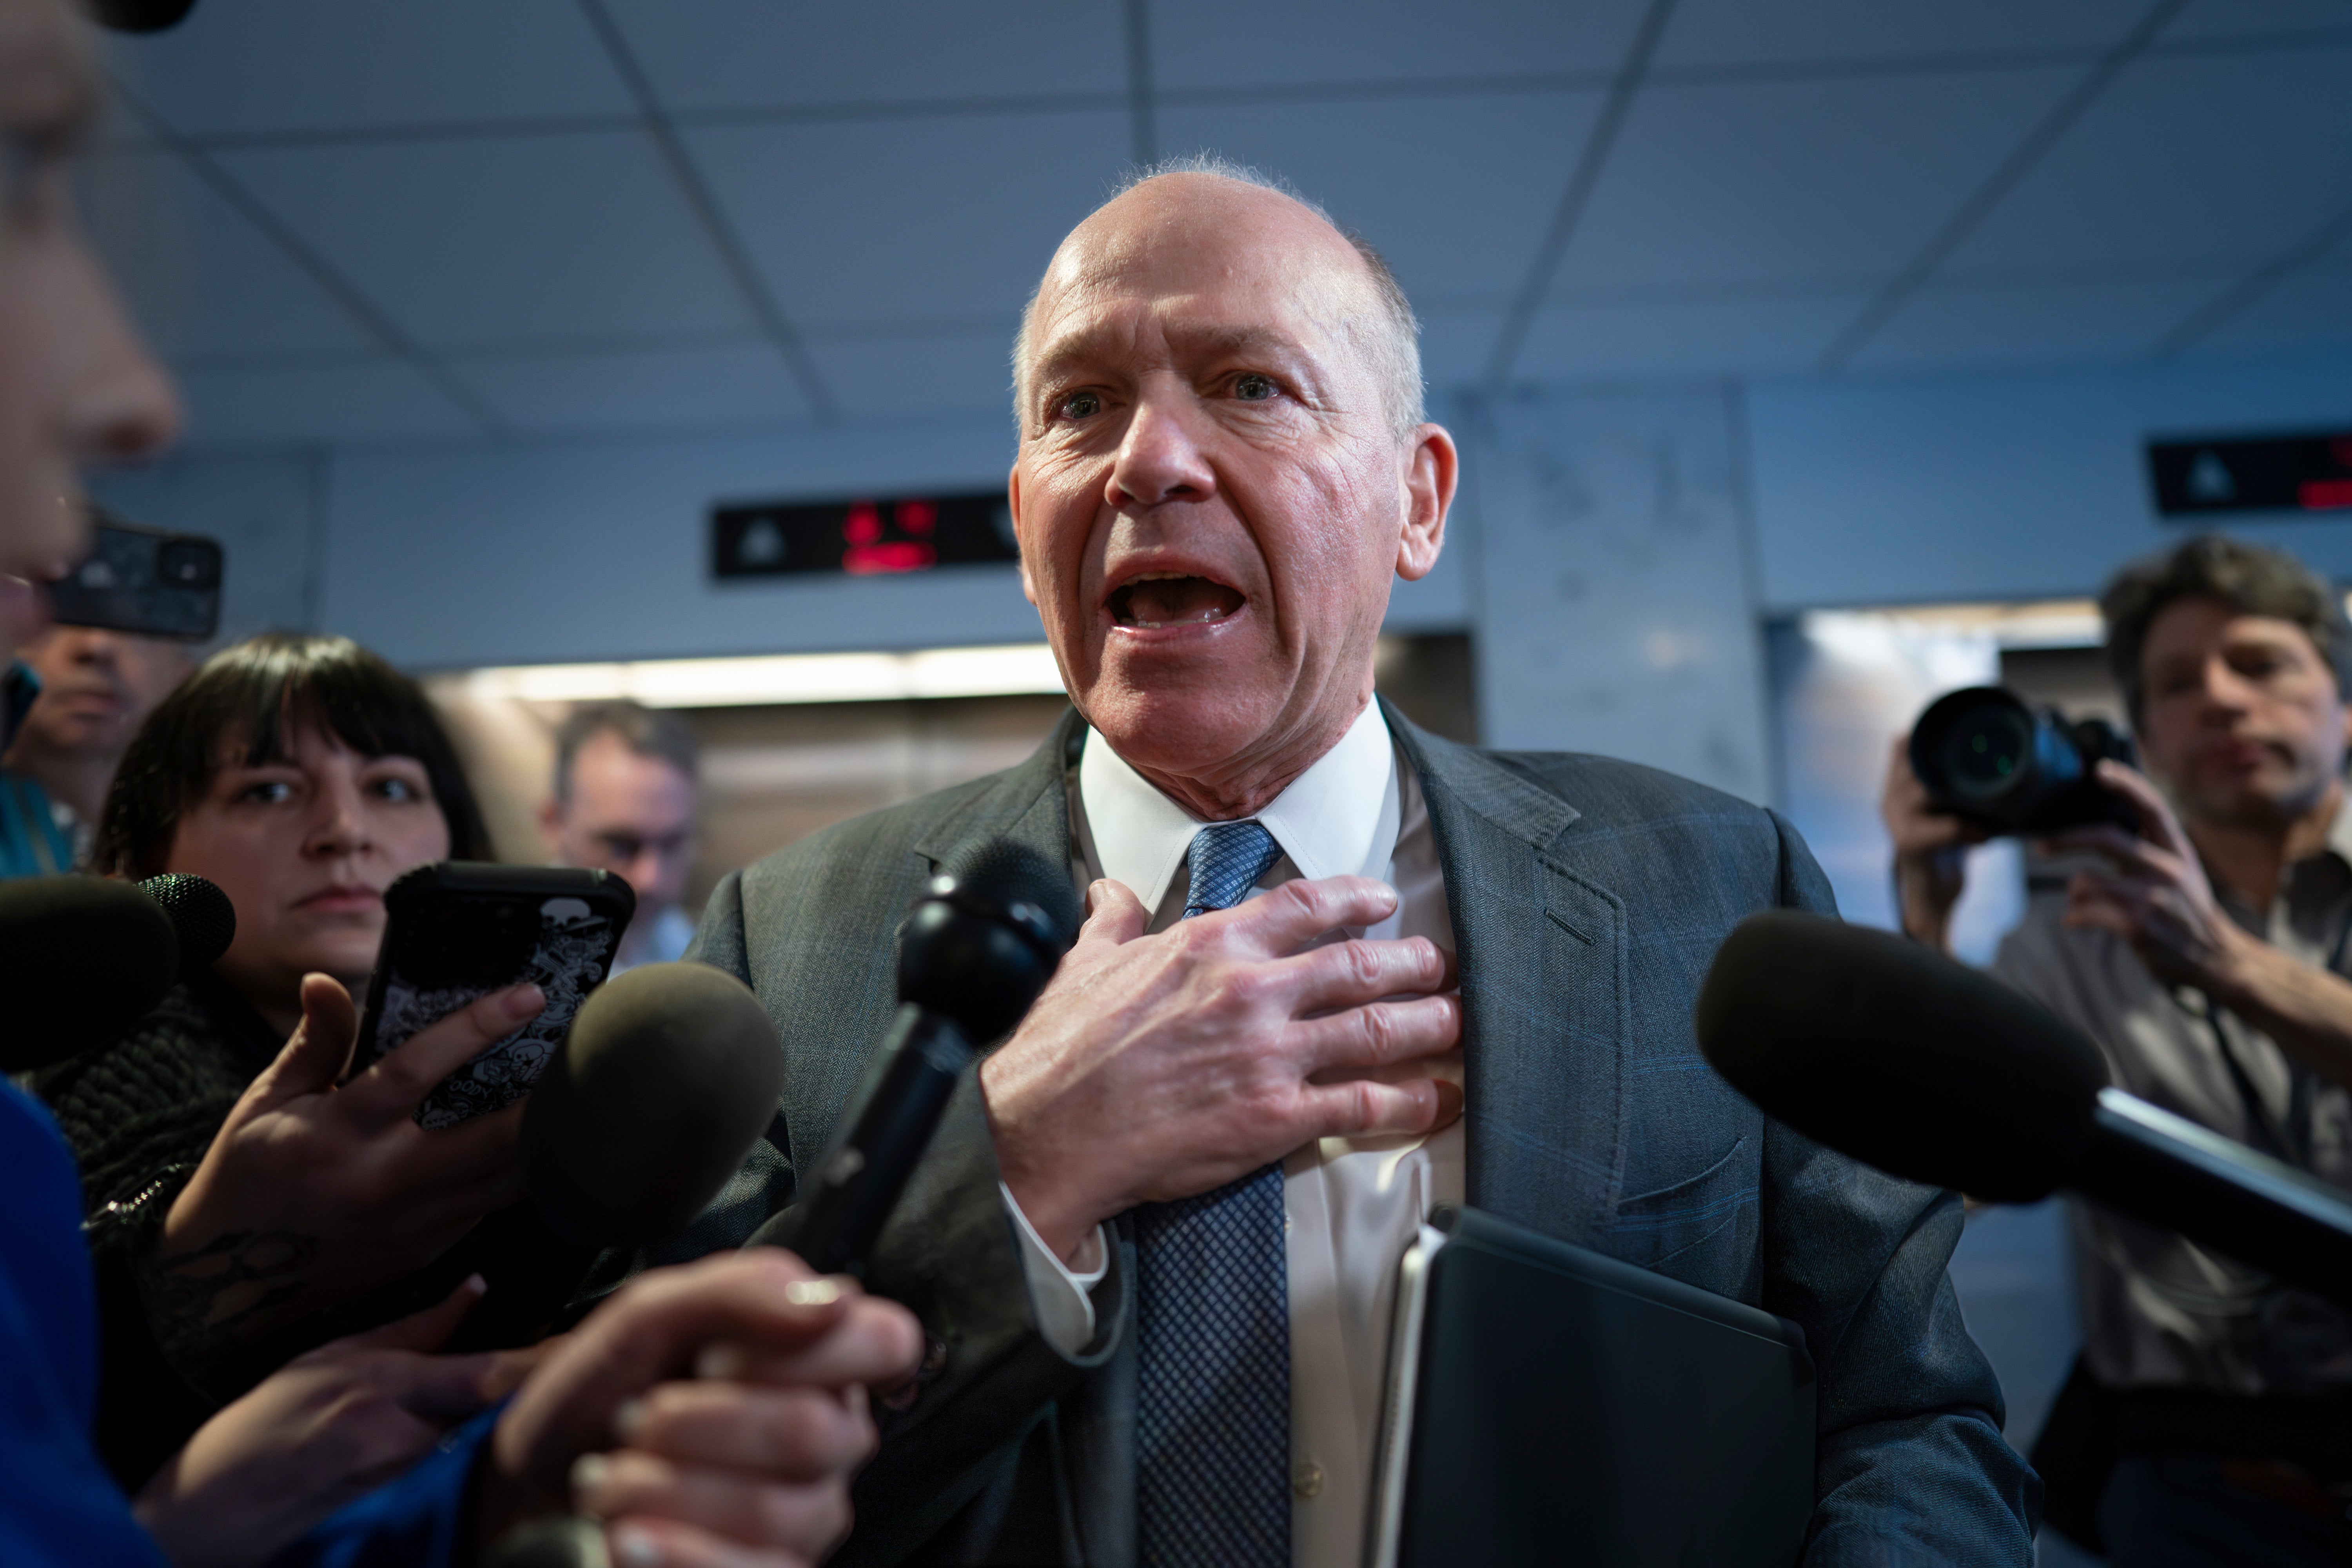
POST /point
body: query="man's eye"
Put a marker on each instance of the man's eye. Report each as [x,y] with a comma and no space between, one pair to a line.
[1253,388]
[1080,405]
[268,793]
[396,790]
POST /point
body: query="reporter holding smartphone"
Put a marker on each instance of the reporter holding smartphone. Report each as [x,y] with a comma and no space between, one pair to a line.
[2210,1418]
[243,1208]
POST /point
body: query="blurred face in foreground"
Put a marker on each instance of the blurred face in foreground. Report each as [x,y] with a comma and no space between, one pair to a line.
[1212,494]
[76,384]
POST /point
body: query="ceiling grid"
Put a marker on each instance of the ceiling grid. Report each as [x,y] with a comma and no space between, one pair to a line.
[554,217]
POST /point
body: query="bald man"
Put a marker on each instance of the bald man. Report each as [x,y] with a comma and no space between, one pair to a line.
[1173,1201]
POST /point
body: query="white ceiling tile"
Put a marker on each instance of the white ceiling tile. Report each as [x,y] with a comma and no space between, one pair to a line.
[2224,160]
[888,377]
[1741,32]
[2029,323]
[895,222]
[2307,312]
[1214,44]
[751,54]
[721,385]
[1835,181]
[506,241]
[368,400]
[1664,339]
[199,277]
[245,66]
[1421,178]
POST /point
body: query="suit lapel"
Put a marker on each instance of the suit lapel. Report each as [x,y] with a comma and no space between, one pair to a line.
[1542,949]
[1030,804]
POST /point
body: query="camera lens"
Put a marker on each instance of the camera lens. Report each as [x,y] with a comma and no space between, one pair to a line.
[1983,757]
[189,563]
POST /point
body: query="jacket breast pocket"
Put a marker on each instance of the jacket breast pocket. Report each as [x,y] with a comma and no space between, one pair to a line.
[1701,1226]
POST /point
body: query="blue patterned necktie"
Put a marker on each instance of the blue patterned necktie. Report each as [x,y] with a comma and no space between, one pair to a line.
[1213,1327]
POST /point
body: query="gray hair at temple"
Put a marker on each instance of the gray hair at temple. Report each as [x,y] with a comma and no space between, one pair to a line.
[1391,338]
[649,733]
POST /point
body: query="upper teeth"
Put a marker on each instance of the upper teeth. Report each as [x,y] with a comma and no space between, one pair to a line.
[1158,577]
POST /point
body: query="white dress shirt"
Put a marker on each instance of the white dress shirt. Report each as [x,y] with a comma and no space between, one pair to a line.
[1350,1205]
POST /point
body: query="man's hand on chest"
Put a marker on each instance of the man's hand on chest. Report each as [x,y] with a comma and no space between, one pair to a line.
[1157,1066]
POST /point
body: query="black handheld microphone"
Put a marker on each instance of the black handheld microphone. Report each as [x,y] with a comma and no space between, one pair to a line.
[84,958]
[982,942]
[1886,1051]
[667,1078]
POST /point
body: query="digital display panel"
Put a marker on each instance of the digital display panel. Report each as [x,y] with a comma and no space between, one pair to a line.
[864,537]
[2268,473]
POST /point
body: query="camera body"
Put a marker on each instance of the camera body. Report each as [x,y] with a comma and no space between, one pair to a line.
[1988,755]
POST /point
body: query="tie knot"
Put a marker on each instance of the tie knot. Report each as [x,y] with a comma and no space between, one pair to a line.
[1226,859]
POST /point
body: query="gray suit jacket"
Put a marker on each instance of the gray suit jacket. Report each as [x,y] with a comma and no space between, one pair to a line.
[1587,898]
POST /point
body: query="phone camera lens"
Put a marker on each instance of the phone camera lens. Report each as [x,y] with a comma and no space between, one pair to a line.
[189,563]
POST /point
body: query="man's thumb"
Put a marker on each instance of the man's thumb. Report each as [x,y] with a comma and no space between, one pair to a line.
[321,1047]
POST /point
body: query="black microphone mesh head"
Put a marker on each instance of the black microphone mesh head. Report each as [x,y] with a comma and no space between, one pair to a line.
[201,913]
[1005,872]
[1887,1050]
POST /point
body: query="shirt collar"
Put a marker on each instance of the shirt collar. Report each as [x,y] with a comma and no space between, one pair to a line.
[1340,816]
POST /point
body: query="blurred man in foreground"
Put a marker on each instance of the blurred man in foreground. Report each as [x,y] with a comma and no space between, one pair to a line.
[626,792]
[746,1463]
[2210,1420]
[96,688]
[1221,1124]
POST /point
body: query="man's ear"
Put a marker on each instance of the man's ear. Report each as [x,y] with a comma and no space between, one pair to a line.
[1013,499]
[1432,469]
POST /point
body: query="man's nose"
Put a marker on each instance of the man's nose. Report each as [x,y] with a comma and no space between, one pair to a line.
[2224,687]
[122,406]
[1160,458]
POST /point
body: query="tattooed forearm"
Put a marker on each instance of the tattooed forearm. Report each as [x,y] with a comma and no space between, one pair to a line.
[201,1300]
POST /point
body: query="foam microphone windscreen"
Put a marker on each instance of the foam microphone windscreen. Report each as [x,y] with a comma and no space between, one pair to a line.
[668,1078]
[1887,1050]
[81,959]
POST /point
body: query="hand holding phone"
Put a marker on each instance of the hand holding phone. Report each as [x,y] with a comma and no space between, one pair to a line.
[456,931]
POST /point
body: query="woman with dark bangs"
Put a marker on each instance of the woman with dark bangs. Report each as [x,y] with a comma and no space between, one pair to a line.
[302,774]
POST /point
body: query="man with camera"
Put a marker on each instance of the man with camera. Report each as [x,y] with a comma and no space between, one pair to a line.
[2210,1419]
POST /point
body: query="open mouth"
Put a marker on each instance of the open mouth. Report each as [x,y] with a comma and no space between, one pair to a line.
[1169,599]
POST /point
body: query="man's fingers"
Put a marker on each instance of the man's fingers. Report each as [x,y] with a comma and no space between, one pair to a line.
[1347,973]
[797,1518]
[1115,916]
[320,1048]
[1380,1032]
[2156,818]
[778,1433]
[409,1070]
[1296,913]
[876,1343]
[1362,1108]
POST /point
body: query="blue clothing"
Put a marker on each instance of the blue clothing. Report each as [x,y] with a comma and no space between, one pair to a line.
[32,843]
[58,1505]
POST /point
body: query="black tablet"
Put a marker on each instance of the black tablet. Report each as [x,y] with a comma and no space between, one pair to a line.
[1547,1403]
